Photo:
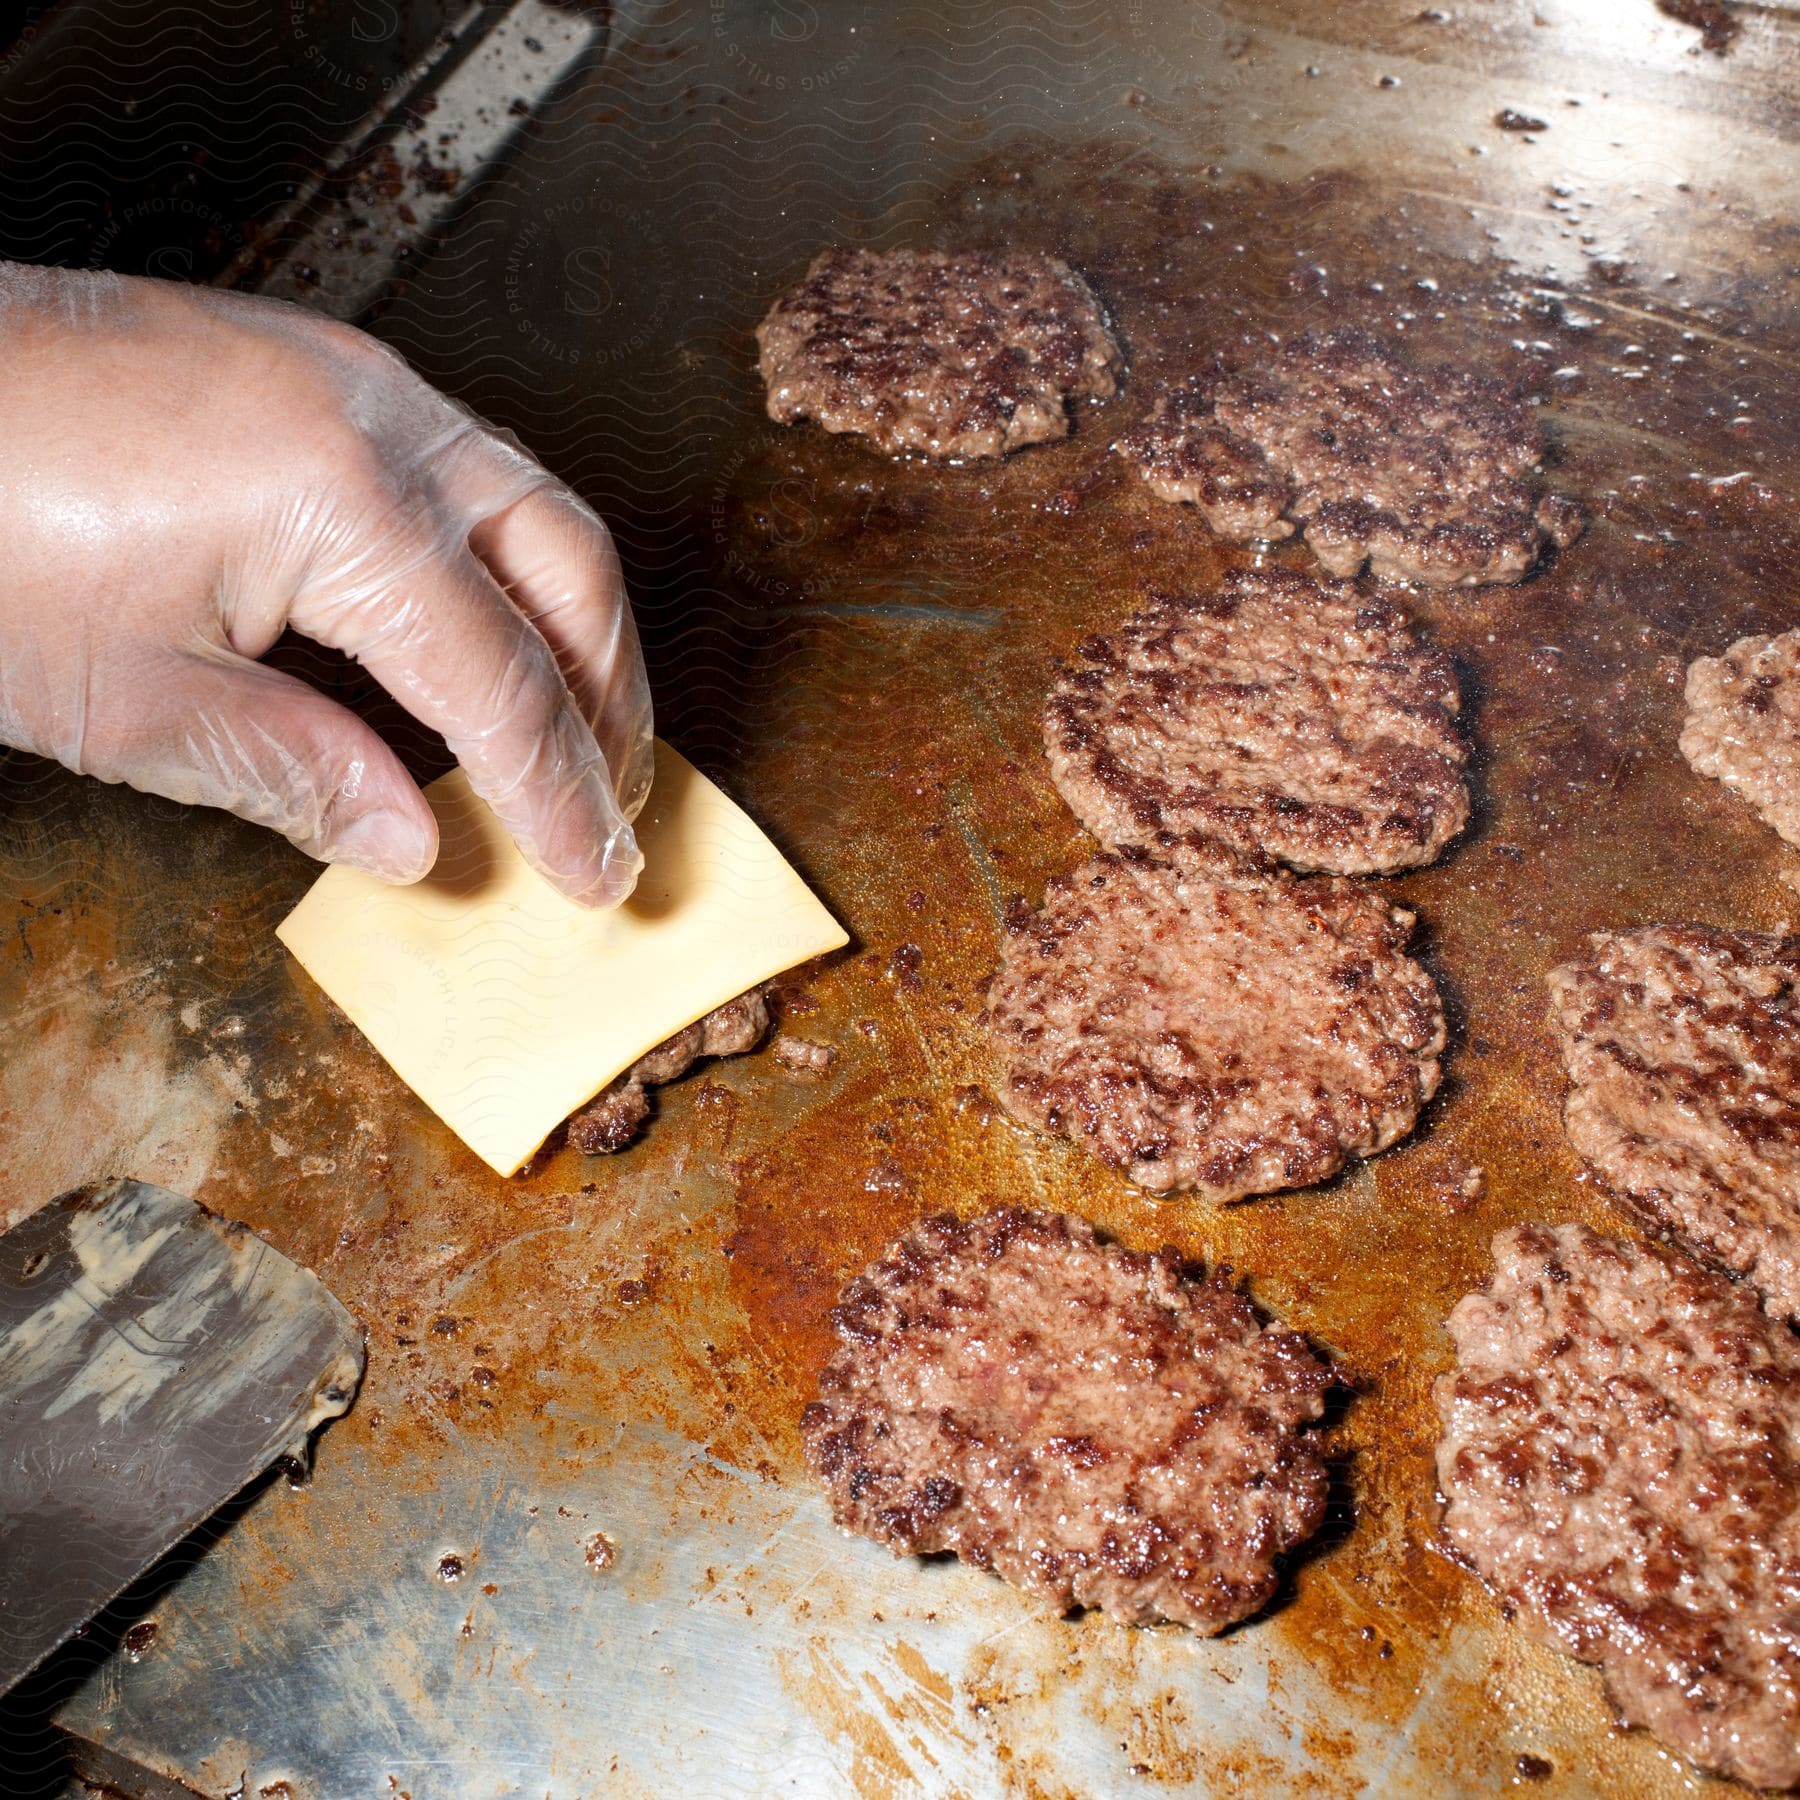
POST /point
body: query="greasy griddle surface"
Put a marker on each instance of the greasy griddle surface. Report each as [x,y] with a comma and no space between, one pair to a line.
[920,739]
[624,1347]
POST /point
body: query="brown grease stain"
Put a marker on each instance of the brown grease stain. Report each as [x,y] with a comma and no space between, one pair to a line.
[922,1675]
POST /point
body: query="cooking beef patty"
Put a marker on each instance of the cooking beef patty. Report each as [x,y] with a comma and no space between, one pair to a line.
[1743,725]
[950,355]
[1621,1460]
[1098,1426]
[1279,714]
[1683,1048]
[615,1116]
[1202,1024]
[1717,26]
[1419,473]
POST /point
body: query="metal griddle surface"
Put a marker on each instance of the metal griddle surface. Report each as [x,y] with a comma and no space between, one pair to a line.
[583,1385]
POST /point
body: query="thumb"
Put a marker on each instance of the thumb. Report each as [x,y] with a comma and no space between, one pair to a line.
[234,734]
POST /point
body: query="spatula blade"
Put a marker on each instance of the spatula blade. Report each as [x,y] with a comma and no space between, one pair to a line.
[153,1359]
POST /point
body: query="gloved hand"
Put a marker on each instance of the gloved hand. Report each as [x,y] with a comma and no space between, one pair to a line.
[185,473]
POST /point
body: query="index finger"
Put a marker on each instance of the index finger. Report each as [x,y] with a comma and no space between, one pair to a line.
[556,560]
[435,629]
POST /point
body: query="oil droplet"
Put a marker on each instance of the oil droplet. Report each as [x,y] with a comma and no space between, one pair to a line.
[450,1567]
[139,1638]
[601,1551]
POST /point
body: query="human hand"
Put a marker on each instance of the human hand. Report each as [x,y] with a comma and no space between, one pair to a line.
[184,474]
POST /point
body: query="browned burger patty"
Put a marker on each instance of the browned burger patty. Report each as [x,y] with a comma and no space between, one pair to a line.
[1199,1024]
[615,1116]
[1714,18]
[1278,714]
[1097,1426]
[1422,474]
[950,355]
[1621,1460]
[1743,725]
[1683,1050]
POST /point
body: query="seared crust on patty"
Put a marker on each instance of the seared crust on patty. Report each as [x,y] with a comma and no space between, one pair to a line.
[615,1116]
[1420,473]
[949,355]
[1284,716]
[1682,1044]
[1201,1024]
[1621,1461]
[1743,725]
[1100,1427]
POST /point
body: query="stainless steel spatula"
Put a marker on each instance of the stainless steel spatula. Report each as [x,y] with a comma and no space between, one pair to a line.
[153,1359]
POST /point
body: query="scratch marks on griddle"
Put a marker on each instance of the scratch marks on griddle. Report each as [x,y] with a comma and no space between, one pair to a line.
[993,1637]
[1678,322]
[704,1371]
[920,1041]
[1474,203]
[912,614]
[1400,1744]
[453,1288]
[962,805]
[1578,422]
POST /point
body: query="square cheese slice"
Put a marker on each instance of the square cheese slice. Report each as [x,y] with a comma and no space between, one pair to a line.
[504,1006]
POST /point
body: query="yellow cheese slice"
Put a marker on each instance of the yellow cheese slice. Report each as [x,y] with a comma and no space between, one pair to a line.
[504,1006]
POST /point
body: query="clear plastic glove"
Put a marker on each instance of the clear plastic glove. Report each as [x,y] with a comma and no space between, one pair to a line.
[183,474]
